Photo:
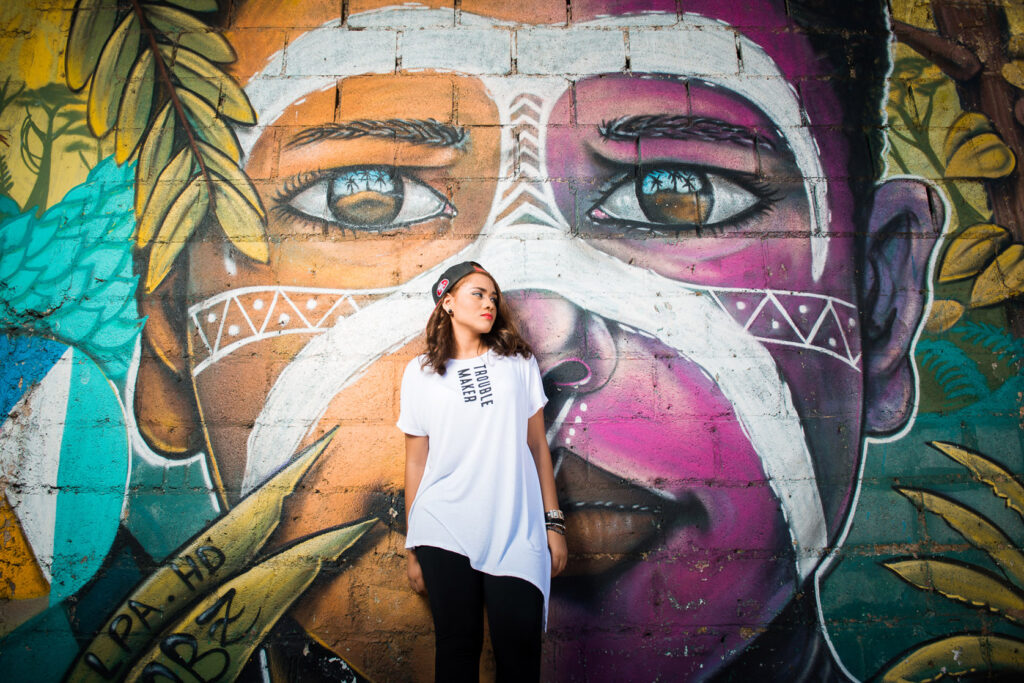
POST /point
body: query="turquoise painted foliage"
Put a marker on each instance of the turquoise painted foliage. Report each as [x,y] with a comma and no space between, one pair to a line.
[68,273]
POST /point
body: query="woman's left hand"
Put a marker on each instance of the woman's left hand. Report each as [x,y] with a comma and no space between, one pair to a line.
[559,552]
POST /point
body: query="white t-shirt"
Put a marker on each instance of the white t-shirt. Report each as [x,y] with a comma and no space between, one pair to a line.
[480,494]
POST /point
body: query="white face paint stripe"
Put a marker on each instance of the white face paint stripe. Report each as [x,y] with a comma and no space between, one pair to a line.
[781,303]
[743,369]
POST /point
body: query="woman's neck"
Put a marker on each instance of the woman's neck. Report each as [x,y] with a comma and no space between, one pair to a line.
[468,344]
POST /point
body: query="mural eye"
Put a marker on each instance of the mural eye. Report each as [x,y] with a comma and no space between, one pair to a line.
[370,199]
[678,197]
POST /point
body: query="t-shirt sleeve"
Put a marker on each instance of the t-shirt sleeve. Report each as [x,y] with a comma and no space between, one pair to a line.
[534,386]
[410,412]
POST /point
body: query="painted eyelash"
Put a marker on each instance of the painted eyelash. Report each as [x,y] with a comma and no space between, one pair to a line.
[296,183]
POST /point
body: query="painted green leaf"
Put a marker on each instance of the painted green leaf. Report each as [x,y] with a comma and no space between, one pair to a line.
[962,583]
[111,75]
[153,158]
[223,166]
[133,114]
[182,219]
[238,536]
[240,222]
[979,531]
[188,32]
[955,656]
[169,185]
[262,594]
[968,125]
[1001,480]
[198,74]
[1002,280]
[972,250]
[91,26]
[209,126]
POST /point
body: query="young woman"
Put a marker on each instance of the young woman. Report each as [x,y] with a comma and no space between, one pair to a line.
[484,528]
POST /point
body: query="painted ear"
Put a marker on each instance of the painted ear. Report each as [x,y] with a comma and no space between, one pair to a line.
[165,404]
[905,222]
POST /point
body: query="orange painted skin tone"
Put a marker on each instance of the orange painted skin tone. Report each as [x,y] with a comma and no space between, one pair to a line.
[366,614]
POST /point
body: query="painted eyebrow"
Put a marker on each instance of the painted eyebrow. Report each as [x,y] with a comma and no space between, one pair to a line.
[417,131]
[627,128]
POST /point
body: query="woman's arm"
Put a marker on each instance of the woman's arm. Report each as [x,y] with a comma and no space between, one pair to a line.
[415,462]
[537,439]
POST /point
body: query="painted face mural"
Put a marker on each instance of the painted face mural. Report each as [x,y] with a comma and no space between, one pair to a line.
[681,247]
[682,205]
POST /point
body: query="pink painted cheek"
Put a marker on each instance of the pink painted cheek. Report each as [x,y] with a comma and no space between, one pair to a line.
[659,421]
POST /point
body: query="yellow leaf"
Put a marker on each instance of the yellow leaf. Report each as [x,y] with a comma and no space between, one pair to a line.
[218,635]
[972,250]
[982,156]
[108,82]
[1002,280]
[153,158]
[1003,484]
[182,219]
[968,125]
[199,75]
[1013,72]
[962,583]
[948,658]
[226,168]
[211,127]
[1015,46]
[166,189]
[133,114]
[228,545]
[240,222]
[187,31]
[979,531]
[91,27]
[943,316]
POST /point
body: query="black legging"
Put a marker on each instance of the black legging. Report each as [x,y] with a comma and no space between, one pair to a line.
[458,594]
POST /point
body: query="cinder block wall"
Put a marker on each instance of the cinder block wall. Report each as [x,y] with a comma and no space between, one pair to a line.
[766,255]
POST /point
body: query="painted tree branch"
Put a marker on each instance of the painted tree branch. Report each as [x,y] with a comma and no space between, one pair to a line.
[954,60]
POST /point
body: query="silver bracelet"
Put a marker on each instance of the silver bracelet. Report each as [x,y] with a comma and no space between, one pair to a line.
[557,528]
[555,515]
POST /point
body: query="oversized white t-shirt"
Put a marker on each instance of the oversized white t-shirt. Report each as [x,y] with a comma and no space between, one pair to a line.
[480,494]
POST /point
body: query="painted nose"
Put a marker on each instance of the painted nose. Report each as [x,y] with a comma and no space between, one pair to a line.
[575,349]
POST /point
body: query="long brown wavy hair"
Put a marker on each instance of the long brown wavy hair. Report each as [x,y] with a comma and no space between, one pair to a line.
[503,339]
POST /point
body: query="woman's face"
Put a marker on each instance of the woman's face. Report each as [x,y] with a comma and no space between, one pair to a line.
[473,304]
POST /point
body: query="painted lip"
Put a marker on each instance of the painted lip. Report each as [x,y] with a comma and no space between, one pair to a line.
[487,315]
[613,521]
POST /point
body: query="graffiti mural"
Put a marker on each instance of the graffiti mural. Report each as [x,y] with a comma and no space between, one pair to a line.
[770,256]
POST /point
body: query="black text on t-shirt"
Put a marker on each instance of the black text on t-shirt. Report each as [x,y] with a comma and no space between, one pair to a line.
[475,384]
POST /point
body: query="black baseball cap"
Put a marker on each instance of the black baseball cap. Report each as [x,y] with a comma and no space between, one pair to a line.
[450,277]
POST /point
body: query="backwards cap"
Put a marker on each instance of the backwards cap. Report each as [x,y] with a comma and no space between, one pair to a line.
[450,277]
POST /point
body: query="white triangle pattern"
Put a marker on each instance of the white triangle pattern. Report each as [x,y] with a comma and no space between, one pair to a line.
[783,307]
[269,312]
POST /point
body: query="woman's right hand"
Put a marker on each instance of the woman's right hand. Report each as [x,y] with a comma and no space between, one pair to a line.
[415,573]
